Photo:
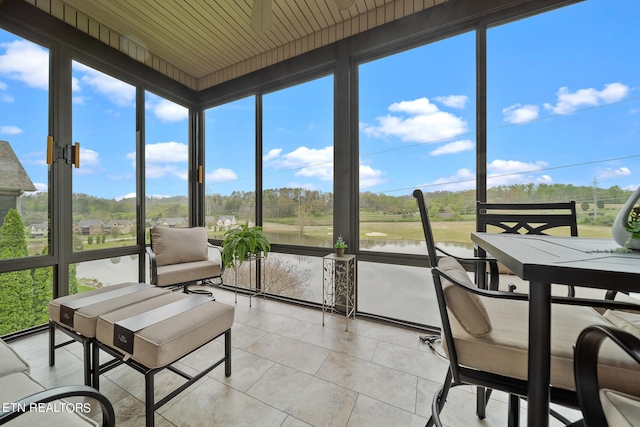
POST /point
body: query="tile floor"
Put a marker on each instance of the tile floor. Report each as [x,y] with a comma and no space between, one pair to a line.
[288,371]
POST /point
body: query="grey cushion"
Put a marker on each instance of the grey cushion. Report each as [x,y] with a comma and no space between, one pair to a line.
[188,272]
[85,318]
[167,341]
[20,385]
[466,307]
[179,245]
[504,351]
[10,361]
[624,320]
[620,410]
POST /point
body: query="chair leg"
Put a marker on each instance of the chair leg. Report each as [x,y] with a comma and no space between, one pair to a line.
[439,400]
[482,398]
[513,419]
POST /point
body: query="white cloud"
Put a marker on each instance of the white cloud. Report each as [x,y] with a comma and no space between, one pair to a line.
[272,154]
[160,171]
[126,196]
[370,177]
[170,111]
[418,121]
[26,62]
[10,130]
[507,172]
[569,102]
[164,152]
[41,186]
[464,179]
[631,187]
[89,157]
[614,173]
[454,147]
[3,86]
[310,162]
[221,175]
[517,113]
[453,101]
[117,91]
[6,98]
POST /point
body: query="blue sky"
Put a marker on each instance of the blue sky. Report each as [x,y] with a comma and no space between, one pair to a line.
[563,101]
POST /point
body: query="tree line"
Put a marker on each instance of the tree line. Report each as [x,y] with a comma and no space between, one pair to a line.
[302,203]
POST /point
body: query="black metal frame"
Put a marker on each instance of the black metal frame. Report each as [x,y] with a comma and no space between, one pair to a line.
[50,395]
[488,214]
[87,346]
[153,271]
[150,405]
[459,375]
[586,368]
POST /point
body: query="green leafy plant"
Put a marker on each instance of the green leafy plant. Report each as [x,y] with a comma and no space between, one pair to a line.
[633,223]
[340,243]
[241,243]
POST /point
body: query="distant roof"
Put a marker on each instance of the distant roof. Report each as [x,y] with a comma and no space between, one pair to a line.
[90,223]
[170,221]
[13,177]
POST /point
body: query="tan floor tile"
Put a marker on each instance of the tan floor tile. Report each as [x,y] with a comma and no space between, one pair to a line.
[341,341]
[379,382]
[281,325]
[370,412]
[414,362]
[215,404]
[243,336]
[310,399]
[289,352]
[246,369]
[387,333]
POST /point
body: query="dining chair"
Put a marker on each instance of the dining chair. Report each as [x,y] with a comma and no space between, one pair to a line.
[524,218]
[603,407]
[485,336]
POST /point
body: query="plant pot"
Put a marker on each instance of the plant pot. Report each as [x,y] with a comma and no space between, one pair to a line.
[620,235]
[340,251]
[633,243]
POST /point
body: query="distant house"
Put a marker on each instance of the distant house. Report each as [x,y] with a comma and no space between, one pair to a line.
[39,230]
[89,227]
[13,180]
[173,222]
[226,220]
[124,225]
[210,221]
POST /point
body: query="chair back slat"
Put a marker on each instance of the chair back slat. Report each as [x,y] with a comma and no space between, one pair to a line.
[520,218]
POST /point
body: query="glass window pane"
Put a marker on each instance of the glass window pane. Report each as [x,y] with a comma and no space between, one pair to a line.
[24,118]
[166,162]
[298,164]
[230,165]
[397,291]
[417,130]
[89,275]
[104,187]
[563,110]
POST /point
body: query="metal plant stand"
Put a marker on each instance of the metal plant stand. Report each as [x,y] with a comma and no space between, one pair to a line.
[254,262]
[339,285]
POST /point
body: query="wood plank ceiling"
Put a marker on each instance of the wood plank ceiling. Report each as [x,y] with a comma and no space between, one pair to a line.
[202,43]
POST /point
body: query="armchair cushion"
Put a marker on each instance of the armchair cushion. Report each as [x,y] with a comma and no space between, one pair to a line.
[624,320]
[11,361]
[179,245]
[620,409]
[467,308]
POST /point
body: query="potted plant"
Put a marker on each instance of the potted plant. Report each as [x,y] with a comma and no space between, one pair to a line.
[340,246]
[633,226]
[242,243]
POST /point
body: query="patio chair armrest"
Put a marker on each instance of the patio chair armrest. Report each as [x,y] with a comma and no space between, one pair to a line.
[586,366]
[479,291]
[494,275]
[22,406]
[153,265]
[219,248]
